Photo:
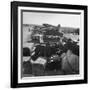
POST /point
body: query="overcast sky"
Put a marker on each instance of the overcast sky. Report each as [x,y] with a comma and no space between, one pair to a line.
[67,20]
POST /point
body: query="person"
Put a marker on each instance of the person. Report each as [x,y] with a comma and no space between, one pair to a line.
[70,63]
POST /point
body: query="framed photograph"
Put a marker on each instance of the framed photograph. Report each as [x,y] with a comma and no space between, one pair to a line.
[48,44]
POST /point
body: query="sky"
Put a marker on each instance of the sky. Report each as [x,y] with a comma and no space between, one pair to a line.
[65,20]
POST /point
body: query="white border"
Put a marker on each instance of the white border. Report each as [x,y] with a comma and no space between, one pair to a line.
[51,78]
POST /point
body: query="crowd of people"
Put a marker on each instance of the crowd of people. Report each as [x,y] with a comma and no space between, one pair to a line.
[52,58]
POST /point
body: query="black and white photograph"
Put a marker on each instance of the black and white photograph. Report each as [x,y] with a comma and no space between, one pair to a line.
[50,44]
